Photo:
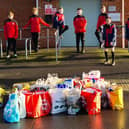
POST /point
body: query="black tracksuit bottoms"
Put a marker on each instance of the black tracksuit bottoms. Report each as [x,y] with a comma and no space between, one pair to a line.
[35,36]
[80,37]
[11,42]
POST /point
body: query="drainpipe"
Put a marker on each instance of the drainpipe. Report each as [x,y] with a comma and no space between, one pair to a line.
[123,24]
[37,4]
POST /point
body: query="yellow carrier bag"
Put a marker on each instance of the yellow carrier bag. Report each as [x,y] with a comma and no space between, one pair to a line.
[116,98]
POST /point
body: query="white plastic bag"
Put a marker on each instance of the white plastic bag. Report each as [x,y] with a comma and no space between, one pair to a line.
[69,83]
[94,74]
[22,106]
[73,97]
[58,100]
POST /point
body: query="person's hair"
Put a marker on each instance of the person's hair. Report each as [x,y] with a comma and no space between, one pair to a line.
[60,8]
[10,12]
[109,18]
[79,9]
[103,6]
[34,9]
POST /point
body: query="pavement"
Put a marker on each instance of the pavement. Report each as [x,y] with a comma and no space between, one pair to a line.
[70,64]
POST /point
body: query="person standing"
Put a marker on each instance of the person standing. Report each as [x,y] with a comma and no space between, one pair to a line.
[101,21]
[11,33]
[80,24]
[59,22]
[109,39]
[127,29]
[34,22]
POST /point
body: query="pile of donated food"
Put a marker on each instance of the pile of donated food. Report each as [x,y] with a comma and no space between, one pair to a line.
[53,95]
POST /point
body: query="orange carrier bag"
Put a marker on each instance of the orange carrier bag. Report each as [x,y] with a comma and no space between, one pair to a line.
[116,98]
[38,104]
[92,97]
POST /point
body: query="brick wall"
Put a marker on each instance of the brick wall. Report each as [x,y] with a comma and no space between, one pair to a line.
[22,9]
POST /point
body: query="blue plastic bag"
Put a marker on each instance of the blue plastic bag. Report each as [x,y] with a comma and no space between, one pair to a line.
[11,110]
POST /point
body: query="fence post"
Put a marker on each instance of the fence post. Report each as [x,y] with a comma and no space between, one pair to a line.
[20,34]
[128,45]
[26,40]
[1,48]
[48,38]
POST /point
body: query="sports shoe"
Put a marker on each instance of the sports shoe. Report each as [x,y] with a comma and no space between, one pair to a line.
[83,51]
[106,62]
[113,64]
[8,56]
[15,55]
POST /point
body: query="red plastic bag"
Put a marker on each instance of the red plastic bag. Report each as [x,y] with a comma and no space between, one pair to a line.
[92,100]
[38,104]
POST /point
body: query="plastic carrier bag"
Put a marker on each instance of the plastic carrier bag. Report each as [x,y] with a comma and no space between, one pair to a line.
[11,110]
[92,100]
[94,74]
[22,106]
[69,83]
[116,98]
[38,104]
[2,93]
[73,101]
[58,100]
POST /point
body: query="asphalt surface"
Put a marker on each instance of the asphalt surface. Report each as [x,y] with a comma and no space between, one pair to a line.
[72,65]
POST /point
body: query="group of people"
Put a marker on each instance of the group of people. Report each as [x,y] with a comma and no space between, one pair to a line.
[105,30]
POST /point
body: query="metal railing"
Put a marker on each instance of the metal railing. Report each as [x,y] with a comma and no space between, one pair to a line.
[27,41]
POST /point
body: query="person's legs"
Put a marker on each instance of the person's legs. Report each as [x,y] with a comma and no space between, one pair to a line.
[78,41]
[8,46]
[63,29]
[35,40]
[98,38]
[113,55]
[83,42]
[14,46]
[106,55]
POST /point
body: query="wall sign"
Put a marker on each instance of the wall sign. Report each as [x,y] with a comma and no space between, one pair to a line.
[111,8]
[49,10]
[116,17]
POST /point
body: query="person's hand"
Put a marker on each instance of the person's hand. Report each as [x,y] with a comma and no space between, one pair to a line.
[50,26]
[111,43]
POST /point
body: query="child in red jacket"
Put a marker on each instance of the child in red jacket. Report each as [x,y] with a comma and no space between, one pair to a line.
[35,22]
[101,21]
[11,33]
[80,24]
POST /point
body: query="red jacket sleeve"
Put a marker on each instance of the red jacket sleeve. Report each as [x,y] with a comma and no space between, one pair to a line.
[98,23]
[29,22]
[44,23]
[16,31]
[5,32]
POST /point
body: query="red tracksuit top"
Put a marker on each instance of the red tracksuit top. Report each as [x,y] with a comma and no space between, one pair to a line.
[79,23]
[101,20]
[35,22]
[10,29]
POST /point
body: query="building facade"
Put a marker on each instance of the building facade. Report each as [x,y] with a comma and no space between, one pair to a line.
[117,9]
